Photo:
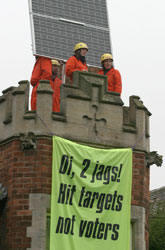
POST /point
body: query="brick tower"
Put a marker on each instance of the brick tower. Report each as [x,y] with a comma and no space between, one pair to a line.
[89,115]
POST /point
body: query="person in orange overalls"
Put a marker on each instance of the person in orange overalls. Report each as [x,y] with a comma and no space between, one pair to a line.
[55,83]
[77,62]
[44,70]
[114,77]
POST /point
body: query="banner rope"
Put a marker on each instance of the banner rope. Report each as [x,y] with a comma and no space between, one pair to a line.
[45,125]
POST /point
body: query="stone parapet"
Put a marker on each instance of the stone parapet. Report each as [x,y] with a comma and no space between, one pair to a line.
[89,114]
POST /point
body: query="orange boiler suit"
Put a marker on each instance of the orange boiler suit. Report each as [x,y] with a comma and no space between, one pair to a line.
[43,71]
[114,80]
[56,94]
[73,64]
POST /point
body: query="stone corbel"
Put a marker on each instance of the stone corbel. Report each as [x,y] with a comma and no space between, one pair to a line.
[154,158]
[28,141]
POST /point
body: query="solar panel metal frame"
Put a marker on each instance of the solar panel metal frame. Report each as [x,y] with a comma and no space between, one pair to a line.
[55,36]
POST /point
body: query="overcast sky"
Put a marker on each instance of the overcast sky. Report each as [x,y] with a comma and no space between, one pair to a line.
[138,39]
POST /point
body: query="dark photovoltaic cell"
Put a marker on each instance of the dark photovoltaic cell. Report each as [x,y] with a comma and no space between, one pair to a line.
[57,25]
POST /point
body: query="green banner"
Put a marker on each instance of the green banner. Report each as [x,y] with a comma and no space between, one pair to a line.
[91,197]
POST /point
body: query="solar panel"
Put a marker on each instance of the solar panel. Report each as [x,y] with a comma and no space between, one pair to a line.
[57,25]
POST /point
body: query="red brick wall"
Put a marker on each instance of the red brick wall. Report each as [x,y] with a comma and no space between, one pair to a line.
[23,173]
[140,187]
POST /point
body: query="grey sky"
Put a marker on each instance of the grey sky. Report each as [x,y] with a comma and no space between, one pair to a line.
[137,37]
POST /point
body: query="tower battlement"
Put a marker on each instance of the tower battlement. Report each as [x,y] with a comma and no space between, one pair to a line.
[89,113]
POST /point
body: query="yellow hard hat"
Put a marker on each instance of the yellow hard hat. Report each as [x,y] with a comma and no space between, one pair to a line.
[80,46]
[105,57]
[55,62]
